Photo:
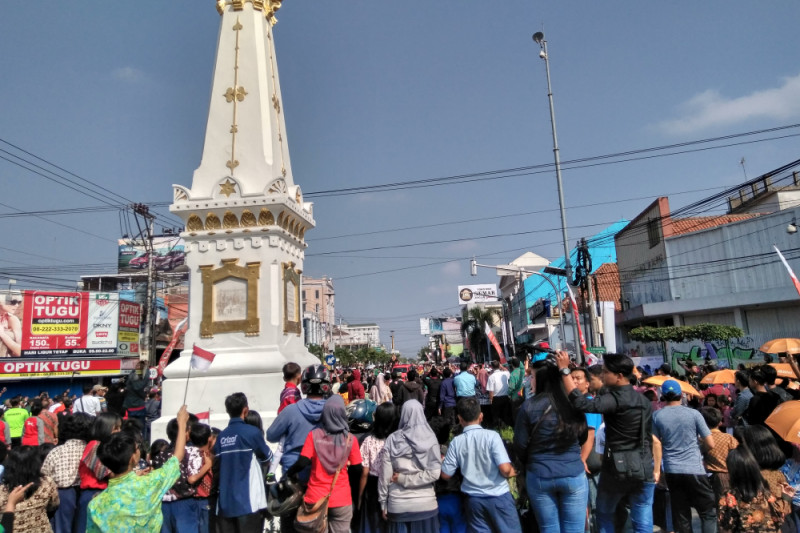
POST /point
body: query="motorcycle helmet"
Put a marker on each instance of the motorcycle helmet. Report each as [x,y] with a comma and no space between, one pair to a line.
[283,497]
[360,415]
[316,381]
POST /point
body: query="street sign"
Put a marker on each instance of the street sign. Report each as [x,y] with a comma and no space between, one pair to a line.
[330,359]
[153,372]
[598,350]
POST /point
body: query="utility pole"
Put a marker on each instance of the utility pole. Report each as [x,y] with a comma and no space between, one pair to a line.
[150,311]
[593,333]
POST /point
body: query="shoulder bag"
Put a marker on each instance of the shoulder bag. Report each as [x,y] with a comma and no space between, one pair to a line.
[313,518]
[630,465]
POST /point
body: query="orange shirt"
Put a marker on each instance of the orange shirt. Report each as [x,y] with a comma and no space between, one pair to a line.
[319,483]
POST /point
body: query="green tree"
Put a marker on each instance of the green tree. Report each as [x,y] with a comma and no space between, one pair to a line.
[701,332]
[472,327]
[316,349]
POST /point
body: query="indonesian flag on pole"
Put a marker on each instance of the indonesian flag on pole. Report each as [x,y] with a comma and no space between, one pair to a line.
[180,329]
[201,359]
[204,418]
[791,272]
[577,319]
[493,339]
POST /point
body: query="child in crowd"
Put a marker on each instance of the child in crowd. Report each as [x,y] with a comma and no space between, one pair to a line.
[158,446]
[200,435]
[132,503]
[715,458]
[289,395]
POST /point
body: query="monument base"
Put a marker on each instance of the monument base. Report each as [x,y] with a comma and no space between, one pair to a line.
[257,374]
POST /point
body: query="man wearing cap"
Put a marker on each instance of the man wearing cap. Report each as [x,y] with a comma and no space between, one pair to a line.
[678,428]
[99,392]
[10,326]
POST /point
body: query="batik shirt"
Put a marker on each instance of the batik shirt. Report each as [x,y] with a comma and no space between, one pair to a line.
[132,503]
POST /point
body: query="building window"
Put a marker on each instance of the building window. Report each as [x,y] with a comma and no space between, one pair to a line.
[653,233]
[316,294]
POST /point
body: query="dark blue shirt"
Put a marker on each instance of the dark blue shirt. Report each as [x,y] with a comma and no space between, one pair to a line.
[447,393]
[547,458]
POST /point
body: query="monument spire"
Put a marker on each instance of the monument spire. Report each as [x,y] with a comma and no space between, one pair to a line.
[245,228]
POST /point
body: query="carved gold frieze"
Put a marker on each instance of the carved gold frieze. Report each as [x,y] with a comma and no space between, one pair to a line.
[291,298]
[194,223]
[265,218]
[234,95]
[212,221]
[248,219]
[230,298]
[268,7]
[229,221]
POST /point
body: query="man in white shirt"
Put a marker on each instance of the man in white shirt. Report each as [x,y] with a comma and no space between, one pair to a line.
[87,403]
[497,387]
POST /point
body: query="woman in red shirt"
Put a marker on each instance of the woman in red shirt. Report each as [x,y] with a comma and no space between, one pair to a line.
[94,476]
[328,449]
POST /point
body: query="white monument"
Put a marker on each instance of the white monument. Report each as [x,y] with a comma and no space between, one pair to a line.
[245,230]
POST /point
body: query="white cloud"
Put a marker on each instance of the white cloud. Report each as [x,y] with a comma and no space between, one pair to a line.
[452,269]
[461,246]
[129,74]
[710,108]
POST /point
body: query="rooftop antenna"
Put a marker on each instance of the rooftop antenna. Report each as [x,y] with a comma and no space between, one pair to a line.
[742,162]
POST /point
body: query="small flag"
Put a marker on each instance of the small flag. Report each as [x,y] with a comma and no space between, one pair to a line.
[201,359]
[574,303]
[180,329]
[791,272]
[493,339]
[204,418]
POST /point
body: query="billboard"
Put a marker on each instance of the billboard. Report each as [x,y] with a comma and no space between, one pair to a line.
[55,324]
[169,255]
[477,294]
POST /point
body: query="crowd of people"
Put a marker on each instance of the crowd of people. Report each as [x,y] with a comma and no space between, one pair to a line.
[539,444]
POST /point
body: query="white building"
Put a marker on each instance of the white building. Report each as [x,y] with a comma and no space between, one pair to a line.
[354,336]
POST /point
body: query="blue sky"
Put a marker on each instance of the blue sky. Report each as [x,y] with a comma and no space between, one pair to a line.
[377,92]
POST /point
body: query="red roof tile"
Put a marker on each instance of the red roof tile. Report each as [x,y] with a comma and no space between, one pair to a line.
[691,224]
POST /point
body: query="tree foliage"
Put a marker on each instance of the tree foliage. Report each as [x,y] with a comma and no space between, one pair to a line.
[316,349]
[472,327]
[702,332]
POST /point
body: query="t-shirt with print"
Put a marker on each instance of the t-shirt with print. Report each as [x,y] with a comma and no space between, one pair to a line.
[677,427]
[319,482]
[370,450]
[190,466]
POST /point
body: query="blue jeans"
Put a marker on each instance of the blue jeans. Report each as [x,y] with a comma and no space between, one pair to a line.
[492,514]
[451,513]
[64,519]
[180,516]
[640,496]
[83,511]
[559,503]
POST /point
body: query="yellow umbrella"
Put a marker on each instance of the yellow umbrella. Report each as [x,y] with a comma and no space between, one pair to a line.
[720,376]
[785,420]
[784,370]
[659,380]
[781,346]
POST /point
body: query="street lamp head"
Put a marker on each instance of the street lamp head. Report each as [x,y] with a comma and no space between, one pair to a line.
[542,54]
[538,38]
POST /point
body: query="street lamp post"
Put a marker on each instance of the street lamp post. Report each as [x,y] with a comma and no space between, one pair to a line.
[474,272]
[539,39]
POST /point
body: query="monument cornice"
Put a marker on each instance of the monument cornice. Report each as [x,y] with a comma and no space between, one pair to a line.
[269,7]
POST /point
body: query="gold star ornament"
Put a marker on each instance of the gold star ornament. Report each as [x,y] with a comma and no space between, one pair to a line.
[227,188]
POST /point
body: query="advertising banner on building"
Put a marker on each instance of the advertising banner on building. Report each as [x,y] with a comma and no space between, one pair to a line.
[48,369]
[57,324]
[477,294]
[169,255]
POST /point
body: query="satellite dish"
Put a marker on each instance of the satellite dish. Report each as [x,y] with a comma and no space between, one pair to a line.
[538,37]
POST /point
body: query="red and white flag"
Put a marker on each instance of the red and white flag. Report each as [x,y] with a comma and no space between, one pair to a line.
[204,418]
[791,272]
[577,319]
[180,329]
[493,339]
[201,359]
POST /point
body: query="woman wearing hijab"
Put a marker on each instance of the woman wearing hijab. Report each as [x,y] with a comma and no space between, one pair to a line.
[380,392]
[411,463]
[327,449]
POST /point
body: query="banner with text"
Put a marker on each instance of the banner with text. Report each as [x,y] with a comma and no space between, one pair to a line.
[57,324]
